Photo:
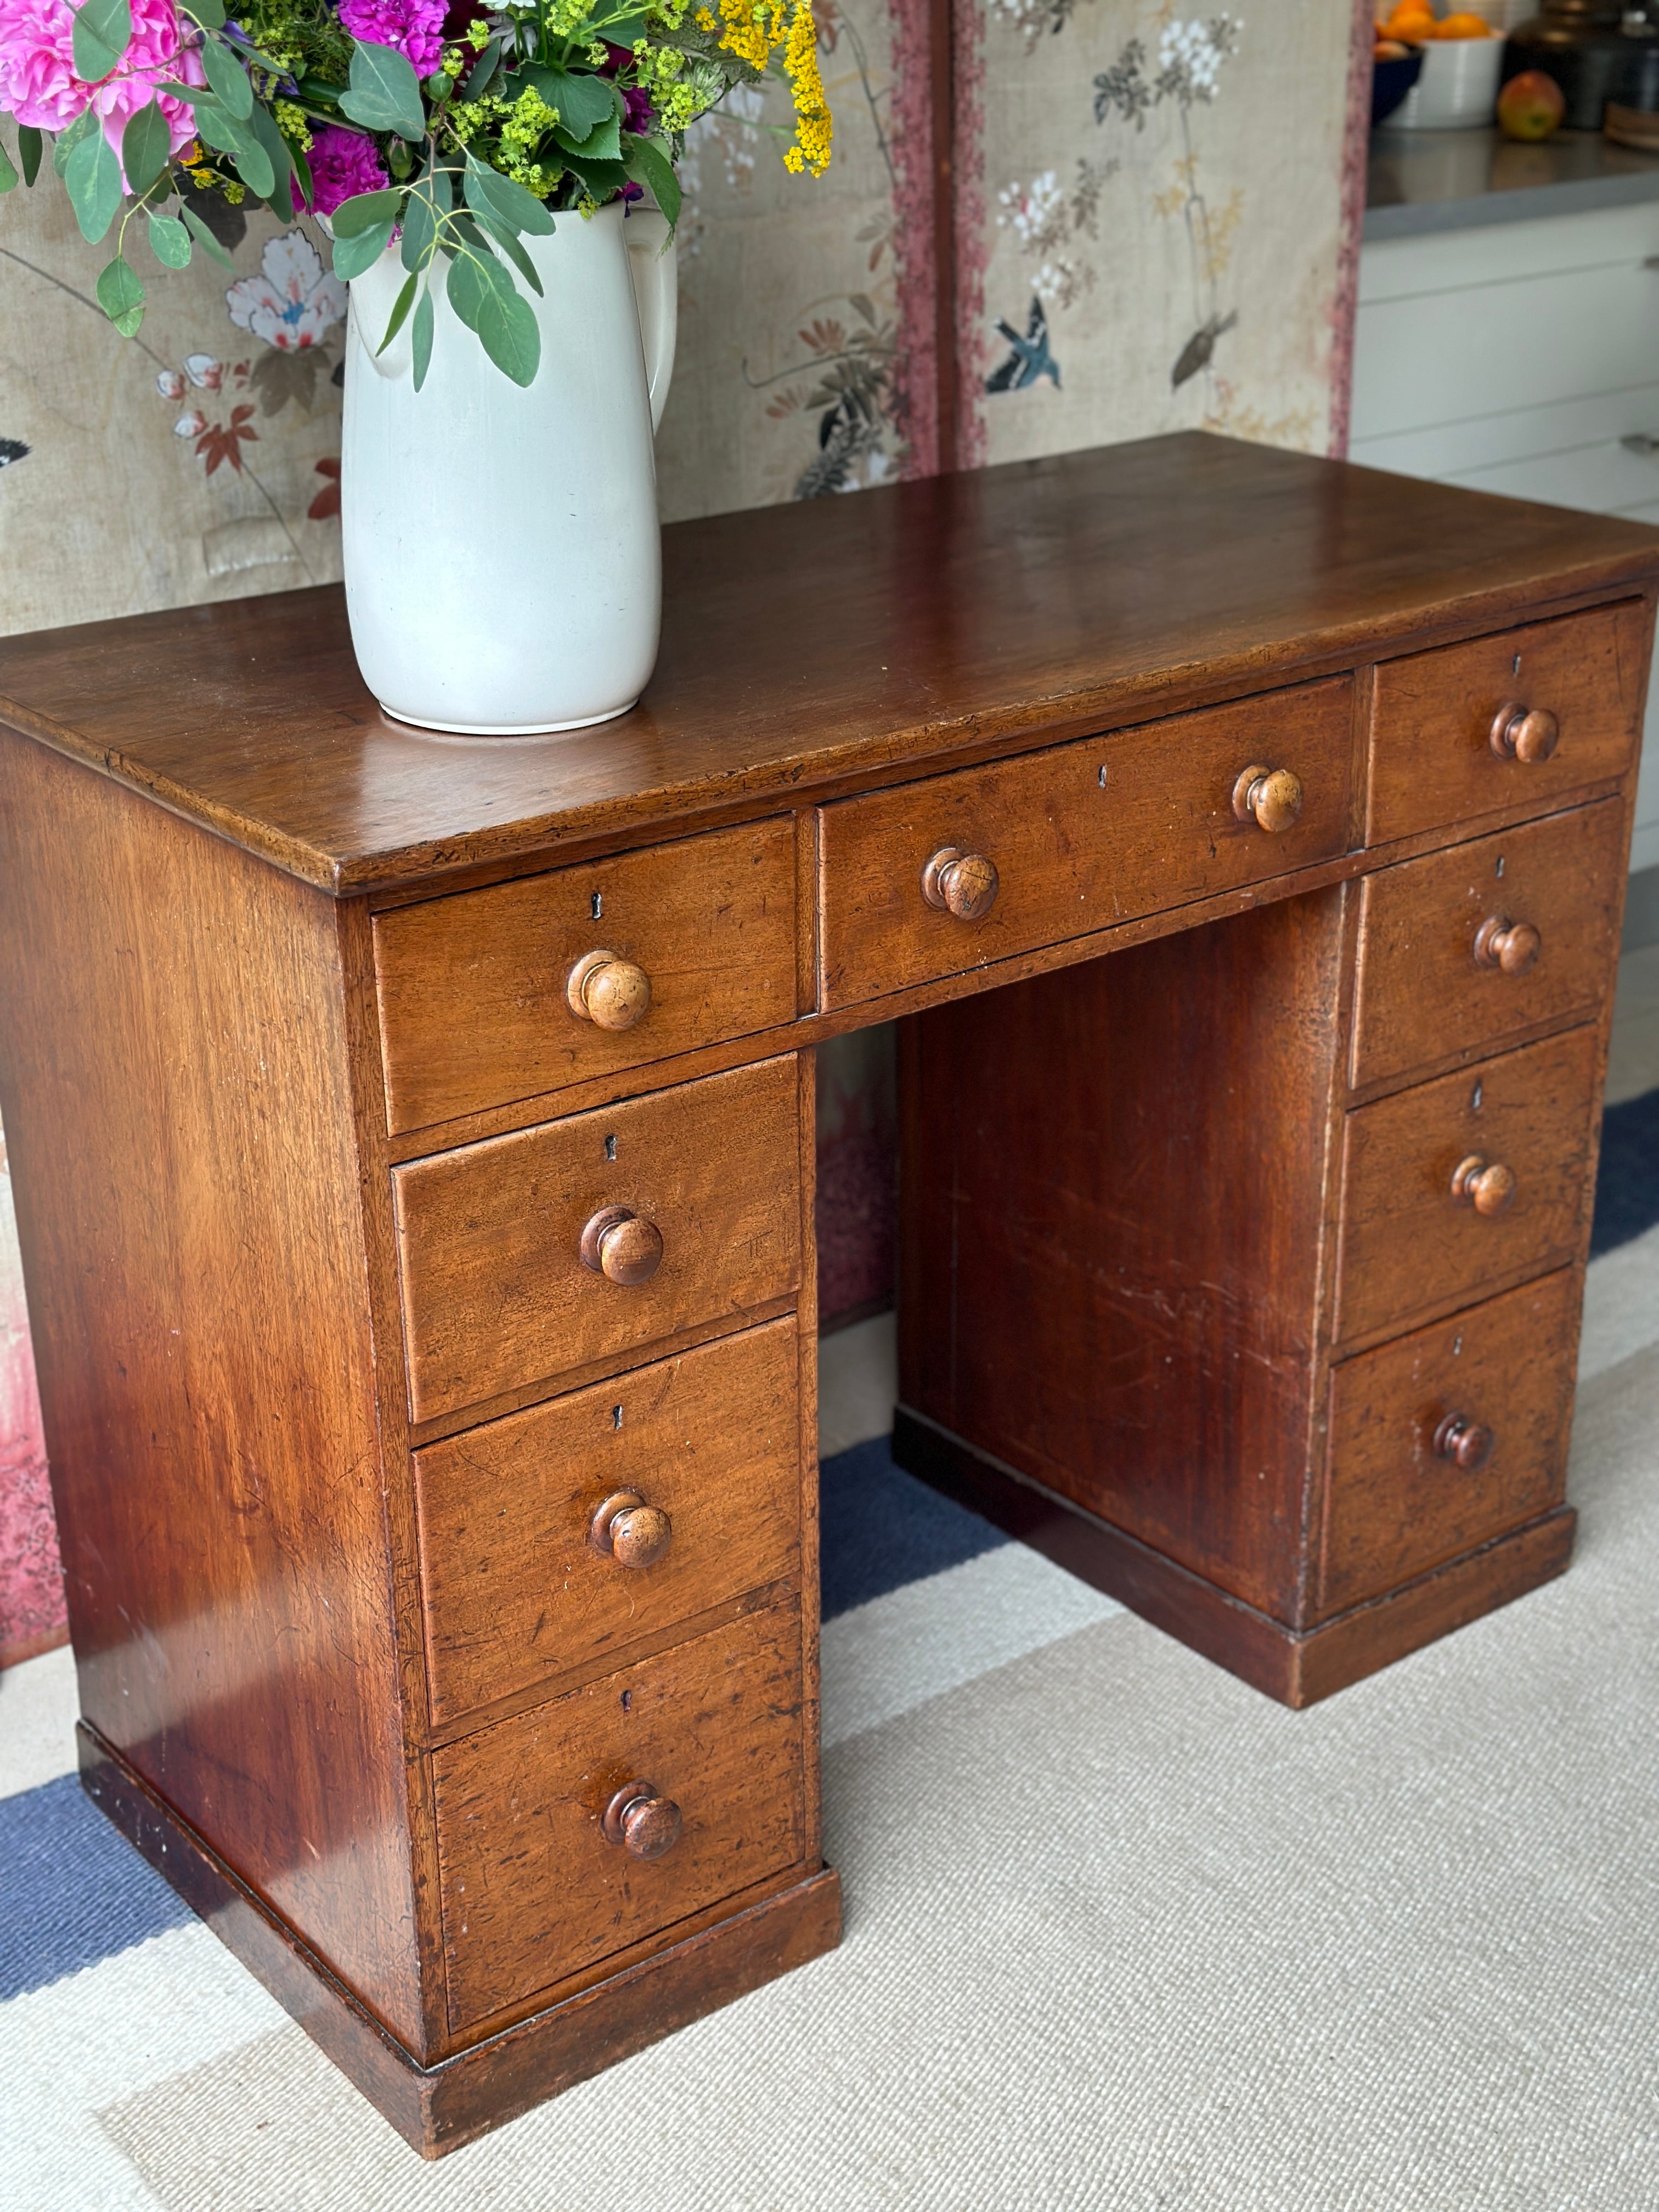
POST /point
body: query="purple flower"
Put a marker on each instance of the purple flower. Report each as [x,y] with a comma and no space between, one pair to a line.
[342,164]
[414,29]
[636,103]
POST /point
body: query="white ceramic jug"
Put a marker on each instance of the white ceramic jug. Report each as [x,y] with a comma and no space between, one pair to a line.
[503,564]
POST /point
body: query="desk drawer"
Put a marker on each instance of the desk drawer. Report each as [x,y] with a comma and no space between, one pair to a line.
[496,1295]
[1081,836]
[1408,1487]
[532,1891]
[1409,1242]
[516,1590]
[1434,935]
[473,990]
[1431,755]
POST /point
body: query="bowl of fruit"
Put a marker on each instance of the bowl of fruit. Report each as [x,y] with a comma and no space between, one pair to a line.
[1460,60]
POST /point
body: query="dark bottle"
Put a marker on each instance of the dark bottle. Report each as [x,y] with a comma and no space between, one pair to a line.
[1595,50]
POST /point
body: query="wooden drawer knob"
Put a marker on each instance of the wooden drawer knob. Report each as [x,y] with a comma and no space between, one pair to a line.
[630,1532]
[645,1824]
[607,990]
[1524,734]
[620,1246]
[1270,797]
[1488,1187]
[1512,946]
[1465,1443]
[962,884]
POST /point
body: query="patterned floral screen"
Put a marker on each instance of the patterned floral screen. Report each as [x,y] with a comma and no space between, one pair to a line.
[1151,224]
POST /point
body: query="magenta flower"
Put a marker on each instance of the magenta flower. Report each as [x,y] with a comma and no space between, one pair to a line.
[638,111]
[39,86]
[342,164]
[414,28]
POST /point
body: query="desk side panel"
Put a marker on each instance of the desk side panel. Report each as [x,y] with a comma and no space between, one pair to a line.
[174,1086]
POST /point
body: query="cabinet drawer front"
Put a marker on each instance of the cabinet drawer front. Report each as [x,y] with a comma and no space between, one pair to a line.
[474,1004]
[533,1892]
[516,1590]
[496,1295]
[1434,936]
[1397,1501]
[1081,836]
[1408,1244]
[1432,760]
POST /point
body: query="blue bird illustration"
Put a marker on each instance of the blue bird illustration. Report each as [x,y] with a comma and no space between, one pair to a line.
[1030,359]
[11,449]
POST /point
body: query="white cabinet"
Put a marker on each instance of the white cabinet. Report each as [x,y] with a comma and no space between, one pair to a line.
[1516,358]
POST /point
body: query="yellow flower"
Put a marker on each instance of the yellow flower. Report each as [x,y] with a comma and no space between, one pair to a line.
[291,122]
[814,126]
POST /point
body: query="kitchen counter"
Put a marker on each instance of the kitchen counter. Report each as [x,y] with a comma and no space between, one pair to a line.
[1421,182]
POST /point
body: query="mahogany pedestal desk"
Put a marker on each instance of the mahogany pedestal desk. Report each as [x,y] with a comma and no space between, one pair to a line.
[412,1142]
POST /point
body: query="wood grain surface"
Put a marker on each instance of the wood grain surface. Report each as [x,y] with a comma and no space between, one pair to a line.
[1080,836]
[532,1891]
[833,640]
[1407,1247]
[1393,1507]
[1431,756]
[1423,997]
[514,1589]
[494,1292]
[472,999]
[178,1118]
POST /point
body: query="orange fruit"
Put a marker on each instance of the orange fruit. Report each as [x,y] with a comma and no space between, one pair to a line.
[1462,27]
[1410,21]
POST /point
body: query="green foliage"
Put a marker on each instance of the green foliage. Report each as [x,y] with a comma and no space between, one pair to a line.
[361,251]
[92,176]
[30,149]
[102,33]
[420,339]
[228,80]
[280,197]
[492,196]
[401,305]
[8,173]
[481,293]
[364,211]
[204,237]
[584,103]
[70,136]
[210,14]
[121,296]
[384,94]
[228,136]
[169,242]
[146,148]
[648,165]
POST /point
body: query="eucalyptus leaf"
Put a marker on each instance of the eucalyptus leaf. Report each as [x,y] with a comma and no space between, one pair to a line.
[70,136]
[146,148]
[401,307]
[302,174]
[219,130]
[481,292]
[280,197]
[353,255]
[93,178]
[28,151]
[489,193]
[420,339]
[169,242]
[385,93]
[228,79]
[204,237]
[420,228]
[102,33]
[194,95]
[256,169]
[8,173]
[121,296]
[648,165]
[483,69]
[363,211]
[515,253]
[210,14]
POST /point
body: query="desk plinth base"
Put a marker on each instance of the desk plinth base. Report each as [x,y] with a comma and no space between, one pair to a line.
[438,2108]
[1299,1667]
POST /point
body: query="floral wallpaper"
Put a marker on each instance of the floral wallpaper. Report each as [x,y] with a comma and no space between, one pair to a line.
[1154,222]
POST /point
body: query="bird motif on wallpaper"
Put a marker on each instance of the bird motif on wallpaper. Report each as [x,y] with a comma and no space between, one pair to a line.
[1195,354]
[12,449]
[1030,360]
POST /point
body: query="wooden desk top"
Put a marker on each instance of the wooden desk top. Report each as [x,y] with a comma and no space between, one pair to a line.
[812,649]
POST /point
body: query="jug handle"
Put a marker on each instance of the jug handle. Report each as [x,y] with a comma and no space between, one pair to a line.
[653,264]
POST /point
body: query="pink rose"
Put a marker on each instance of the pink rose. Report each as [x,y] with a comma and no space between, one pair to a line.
[39,86]
[342,164]
[414,28]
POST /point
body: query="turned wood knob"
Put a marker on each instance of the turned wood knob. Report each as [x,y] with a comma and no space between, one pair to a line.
[1512,946]
[1487,1186]
[645,1824]
[964,884]
[1270,797]
[618,1245]
[607,990]
[627,1531]
[1524,734]
[1465,1443]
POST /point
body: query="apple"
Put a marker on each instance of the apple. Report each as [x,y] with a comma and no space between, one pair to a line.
[1531,106]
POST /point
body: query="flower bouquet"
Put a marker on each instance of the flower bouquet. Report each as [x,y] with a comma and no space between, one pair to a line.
[451,131]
